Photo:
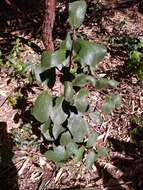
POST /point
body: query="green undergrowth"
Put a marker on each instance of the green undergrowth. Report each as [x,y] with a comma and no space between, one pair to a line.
[15,63]
[134,48]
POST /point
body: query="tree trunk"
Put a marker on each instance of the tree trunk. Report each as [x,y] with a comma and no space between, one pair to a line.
[48,24]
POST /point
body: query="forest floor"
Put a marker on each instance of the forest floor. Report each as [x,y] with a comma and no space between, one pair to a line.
[24,167]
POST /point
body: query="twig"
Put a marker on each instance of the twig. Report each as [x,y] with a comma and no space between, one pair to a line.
[71,51]
[6,99]
[23,166]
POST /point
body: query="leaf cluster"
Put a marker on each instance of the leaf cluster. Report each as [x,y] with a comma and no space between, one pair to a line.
[14,61]
[135,63]
[134,48]
[62,117]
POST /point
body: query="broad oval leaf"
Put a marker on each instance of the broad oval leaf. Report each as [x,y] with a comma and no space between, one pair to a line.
[56,155]
[47,77]
[68,91]
[45,60]
[55,59]
[57,115]
[37,72]
[57,130]
[89,53]
[113,83]
[90,159]
[91,140]
[82,79]
[80,100]
[42,107]
[65,138]
[102,83]
[79,154]
[67,43]
[78,127]
[61,151]
[77,12]
[45,130]
[72,148]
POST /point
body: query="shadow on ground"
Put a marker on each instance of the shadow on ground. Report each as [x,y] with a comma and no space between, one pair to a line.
[24,18]
[97,11]
[19,18]
[8,171]
[126,170]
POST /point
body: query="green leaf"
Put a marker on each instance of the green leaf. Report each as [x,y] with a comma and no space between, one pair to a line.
[79,154]
[103,152]
[135,56]
[67,43]
[47,77]
[80,100]
[57,130]
[90,159]
[56,155]
[96,117]
[113,83]
[45,60]
[42,107]
[37,71]
[77,12]
[89,53]
[57,115]
[55,59]
[65,138]
[82,79]
[102,83]
[72,148]
[68,91]
[140,44]
[91,140]
[78,127]
[50,155]
[66,61]
[45,130]
[111,101]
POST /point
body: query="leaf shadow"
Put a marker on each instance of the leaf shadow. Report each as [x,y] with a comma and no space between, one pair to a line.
[128,160]
[108,180]
[17,18]
[9,173]
[24,19]
[100,11]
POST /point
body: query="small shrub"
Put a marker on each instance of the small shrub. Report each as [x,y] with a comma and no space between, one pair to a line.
[136,131]
[24,137]
[134,48]
[63,118]
[135,63]
[14,62]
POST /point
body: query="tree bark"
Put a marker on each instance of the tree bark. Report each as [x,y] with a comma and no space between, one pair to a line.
[48,24]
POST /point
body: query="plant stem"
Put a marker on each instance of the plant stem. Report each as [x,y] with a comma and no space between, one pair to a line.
[71,52]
